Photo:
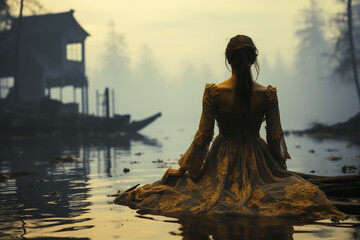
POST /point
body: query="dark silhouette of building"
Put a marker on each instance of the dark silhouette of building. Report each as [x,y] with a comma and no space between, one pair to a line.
[51,54]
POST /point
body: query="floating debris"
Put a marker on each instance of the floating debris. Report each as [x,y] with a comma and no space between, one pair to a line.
[53,194]
[332,150]
[146,217]
[134,162]
[349,146]
[158,161]
[118,193]
[297,146]
[66,159]
[334,158]
[357,157]
[348,169]
[126,170]
[312,171]
[4,177]
[132,188]
[163,166]
[138,154]
[312,151]
[175,233]
[43,180]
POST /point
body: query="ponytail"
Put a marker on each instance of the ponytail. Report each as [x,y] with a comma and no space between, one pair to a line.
[241,56]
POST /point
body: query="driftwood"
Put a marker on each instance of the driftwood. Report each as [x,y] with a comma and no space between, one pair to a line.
[127,190]
[342,191]
[4,177]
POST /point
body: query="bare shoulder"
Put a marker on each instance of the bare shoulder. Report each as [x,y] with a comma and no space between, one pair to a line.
[259,88]
[264,92]
[211,90]
[225,85]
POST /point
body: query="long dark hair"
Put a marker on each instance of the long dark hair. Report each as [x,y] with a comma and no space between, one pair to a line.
[241,54]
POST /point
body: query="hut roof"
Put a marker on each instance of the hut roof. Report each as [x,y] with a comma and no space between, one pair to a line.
[50,23]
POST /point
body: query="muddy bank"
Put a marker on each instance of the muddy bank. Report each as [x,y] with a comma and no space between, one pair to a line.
[349,129]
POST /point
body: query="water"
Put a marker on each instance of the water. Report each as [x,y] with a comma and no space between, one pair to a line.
[68,200]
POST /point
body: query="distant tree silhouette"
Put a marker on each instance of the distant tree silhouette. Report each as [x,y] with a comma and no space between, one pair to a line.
[312,47]
[115,63]
[10,9]
[345,49]
[148,78]
[5,16]
[149,71]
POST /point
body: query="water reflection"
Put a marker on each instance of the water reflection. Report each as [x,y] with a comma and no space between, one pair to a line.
[67,199]
[55,192]
[256,228]
[236,228]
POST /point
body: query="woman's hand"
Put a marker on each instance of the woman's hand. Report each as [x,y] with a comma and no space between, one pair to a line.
[173,173]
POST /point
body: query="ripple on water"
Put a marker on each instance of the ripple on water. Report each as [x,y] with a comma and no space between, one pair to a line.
[73,202]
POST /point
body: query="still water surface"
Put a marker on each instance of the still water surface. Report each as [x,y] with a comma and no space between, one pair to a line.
[68,200]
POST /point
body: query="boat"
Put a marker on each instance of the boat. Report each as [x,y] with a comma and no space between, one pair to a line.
[53,117]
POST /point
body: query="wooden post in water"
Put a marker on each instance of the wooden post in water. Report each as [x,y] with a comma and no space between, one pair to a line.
[97,103]
[113,101]
[74,94]
[61,93]
[82,100]
[17,54]
[87,99]
[107,107]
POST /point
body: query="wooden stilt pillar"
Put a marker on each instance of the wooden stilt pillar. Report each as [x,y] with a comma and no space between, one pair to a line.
[107,103]
[74,94]
[97,103]
[82,100]
[87,99]
[113,101]
[0,88]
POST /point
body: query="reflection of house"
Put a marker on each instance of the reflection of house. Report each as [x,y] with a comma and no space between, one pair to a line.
[51,55]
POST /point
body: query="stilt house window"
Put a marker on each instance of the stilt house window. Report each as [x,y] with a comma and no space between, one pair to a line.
[73,52]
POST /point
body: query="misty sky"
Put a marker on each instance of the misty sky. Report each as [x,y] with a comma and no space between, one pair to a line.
[189,32]
[184,42]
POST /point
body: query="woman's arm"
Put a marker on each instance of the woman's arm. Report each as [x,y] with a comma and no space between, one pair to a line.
[194,157]
[274,132]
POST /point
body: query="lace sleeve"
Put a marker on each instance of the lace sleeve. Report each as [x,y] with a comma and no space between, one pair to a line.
[274,132]
[194,157]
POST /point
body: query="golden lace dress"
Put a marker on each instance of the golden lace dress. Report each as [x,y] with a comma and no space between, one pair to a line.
[240,174]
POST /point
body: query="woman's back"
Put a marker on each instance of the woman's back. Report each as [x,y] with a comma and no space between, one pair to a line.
[240,173]
[234,117]
[230,101]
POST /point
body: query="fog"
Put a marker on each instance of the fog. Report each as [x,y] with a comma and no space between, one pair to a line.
[158,55]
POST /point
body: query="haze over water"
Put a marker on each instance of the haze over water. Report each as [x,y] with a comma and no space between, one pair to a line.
[68,199]
[167,51]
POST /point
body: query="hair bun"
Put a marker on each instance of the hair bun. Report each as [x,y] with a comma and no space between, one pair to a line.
[237,53]
[241,53]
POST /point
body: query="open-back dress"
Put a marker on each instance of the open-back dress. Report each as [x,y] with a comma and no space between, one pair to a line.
[240,174]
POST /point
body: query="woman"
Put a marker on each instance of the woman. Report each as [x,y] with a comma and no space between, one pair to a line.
[241,173]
